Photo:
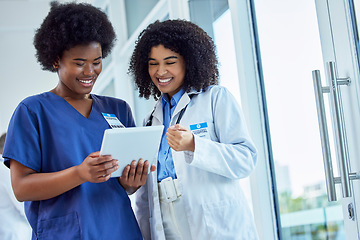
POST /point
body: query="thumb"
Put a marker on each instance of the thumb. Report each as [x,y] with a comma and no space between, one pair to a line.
[94,154]
[180,127]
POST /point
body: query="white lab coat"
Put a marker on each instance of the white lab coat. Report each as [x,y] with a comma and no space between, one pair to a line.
[13,224]
[215,205]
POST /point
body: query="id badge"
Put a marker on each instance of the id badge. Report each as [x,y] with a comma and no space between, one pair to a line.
[112,120]
[200,129]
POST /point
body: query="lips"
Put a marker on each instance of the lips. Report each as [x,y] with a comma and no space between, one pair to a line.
[86,82]
[164,81]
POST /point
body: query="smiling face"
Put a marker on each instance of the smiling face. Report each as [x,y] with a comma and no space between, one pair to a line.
[78,70]
[166,69]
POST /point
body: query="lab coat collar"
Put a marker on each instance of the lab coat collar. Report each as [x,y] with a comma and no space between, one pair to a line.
[184,100]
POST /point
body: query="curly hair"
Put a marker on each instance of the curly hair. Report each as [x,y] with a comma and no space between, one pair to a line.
[185,38]
[68,25]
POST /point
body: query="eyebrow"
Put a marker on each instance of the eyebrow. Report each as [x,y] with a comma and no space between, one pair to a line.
[170,57]
[83,59]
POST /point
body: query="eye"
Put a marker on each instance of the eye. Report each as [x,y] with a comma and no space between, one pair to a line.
[153,63]
[170,63]
[97,63]
[79,64]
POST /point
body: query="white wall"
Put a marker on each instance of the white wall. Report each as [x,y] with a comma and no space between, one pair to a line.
[21,75]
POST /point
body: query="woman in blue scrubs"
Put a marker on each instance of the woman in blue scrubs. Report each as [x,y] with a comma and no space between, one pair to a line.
[53,138]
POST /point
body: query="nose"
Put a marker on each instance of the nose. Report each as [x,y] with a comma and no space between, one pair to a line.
[88,70]
[162,70]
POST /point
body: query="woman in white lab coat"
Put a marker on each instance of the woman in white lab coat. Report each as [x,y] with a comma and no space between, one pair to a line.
[205,150]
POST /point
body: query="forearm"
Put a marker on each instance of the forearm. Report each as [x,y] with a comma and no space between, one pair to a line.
[233,161]
[41,186]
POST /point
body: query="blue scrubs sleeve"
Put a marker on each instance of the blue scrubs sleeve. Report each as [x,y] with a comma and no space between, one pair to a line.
[130,119]
[22,139]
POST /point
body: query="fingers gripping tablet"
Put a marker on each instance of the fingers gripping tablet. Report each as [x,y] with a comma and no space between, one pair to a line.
[128,144]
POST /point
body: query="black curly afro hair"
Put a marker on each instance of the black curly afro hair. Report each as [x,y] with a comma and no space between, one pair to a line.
[184,38]
[68,25]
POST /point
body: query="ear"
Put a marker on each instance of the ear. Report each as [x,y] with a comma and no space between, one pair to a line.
[56,64]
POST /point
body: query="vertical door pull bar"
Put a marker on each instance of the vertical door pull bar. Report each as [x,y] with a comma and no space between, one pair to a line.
[329,175]
[339,128]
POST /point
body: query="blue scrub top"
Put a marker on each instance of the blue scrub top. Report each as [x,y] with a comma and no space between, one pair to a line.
[47,134]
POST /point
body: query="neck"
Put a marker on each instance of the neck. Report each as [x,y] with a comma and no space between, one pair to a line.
[69,95]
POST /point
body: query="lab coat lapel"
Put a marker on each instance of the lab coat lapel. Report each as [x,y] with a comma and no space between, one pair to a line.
[184,100]
[158,113]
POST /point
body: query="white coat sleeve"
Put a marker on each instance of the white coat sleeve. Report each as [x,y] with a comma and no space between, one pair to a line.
[232,154]
[142,212]
[141,208]
[7,191]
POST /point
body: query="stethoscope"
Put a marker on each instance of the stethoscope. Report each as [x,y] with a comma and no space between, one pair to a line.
[149,122]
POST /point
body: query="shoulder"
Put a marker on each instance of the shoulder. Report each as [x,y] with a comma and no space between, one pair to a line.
[116,106]
[36,101]
[219,97]
[215,91]
[31,109]
[36,98]
[109,100]
[106,103]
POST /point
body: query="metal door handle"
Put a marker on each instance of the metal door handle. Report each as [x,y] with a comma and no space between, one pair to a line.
[339,128]
[329,175]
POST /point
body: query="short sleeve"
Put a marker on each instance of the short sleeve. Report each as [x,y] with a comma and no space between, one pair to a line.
[131,122]
[22,139]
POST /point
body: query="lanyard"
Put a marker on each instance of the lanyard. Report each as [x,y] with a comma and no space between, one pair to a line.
[149,122]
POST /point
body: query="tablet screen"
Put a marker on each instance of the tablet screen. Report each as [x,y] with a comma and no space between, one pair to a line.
[128,144]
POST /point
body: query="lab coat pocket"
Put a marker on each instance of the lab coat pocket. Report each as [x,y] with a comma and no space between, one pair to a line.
[64,227]
[222,219]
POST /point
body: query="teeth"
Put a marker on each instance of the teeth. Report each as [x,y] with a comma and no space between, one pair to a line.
[85,81]
[164,80]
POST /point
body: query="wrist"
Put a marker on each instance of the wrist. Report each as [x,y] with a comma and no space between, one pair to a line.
[130,191]
[78,174]
[192,144]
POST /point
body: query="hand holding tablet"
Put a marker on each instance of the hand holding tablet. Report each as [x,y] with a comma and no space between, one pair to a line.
[128,144]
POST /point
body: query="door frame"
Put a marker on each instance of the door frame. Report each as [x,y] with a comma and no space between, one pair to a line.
[339,46]
[254,107]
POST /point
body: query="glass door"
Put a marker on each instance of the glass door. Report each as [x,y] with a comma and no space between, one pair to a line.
[290,48]
[338,25]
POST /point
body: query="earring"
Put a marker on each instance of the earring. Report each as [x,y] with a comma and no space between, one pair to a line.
[55,66]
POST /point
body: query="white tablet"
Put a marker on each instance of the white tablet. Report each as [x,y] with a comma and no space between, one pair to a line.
[128,144]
